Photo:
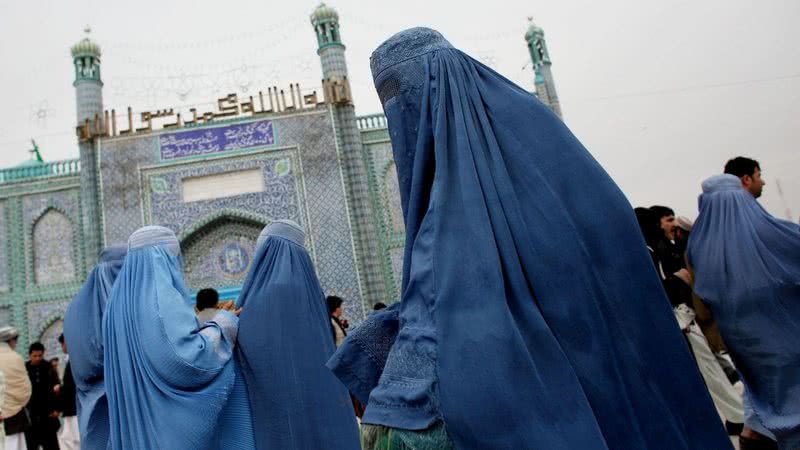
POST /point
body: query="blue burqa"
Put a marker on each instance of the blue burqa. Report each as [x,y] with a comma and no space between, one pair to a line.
[83,333]
[531,316]
[747,268]
[360,359]
[284,341]
[167,377]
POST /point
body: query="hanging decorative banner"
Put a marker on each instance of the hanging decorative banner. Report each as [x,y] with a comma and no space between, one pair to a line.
[208,141]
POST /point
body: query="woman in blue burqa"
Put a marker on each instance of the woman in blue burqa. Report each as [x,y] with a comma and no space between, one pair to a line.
[747,268]
[531,316]
[284,342]
[167,376]
[83,332]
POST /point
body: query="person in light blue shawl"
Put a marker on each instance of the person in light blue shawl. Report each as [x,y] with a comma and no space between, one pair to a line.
[531,316]
[747,269]
[83,332]
[167,377]
[284,342]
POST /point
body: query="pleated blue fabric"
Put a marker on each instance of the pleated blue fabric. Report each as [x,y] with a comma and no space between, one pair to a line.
[360,359]
[531,316]
[167,377]
[747,268]
[284,342]
[83,333]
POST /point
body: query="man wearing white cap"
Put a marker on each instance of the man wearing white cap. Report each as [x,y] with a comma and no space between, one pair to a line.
[17,392]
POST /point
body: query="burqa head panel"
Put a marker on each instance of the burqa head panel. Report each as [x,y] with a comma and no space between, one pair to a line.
[83,333]
[747,268]
[167,378]
[551,327]
[283,345]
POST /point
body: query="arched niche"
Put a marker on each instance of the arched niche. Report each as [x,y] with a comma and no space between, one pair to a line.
[53,252]
[219,252]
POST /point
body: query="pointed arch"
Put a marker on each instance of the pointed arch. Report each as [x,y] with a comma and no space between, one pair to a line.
[219,249]
[52,238]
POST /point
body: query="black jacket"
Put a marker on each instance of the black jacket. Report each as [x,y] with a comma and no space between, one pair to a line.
[43,400]
[68,393]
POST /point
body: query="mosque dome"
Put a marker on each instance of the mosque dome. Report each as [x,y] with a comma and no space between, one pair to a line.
[533,30]
[86,46]
[324,13]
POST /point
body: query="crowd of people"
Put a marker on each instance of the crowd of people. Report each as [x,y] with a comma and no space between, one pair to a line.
[535,312]
[668,240]
[38,403]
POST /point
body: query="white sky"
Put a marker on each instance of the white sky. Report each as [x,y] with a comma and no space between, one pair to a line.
[662,92]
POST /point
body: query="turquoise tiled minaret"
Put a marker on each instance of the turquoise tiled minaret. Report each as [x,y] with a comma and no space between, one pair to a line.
[545,85]
[89,103]
[325,21]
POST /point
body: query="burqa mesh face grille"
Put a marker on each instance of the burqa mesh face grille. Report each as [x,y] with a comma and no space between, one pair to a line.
[388,90]
[403,78]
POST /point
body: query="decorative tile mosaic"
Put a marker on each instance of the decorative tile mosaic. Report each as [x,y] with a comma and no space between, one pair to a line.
[222,256]
[53,253]
[4,266]
[52,348]
[303,181]
[42,315]
[281,198]
[385,192]
[396,255]
[6,316]
[361,207]
[91,231]
[120,160]
[391,194]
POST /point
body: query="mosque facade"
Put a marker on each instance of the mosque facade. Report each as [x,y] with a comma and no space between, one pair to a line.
[216,178]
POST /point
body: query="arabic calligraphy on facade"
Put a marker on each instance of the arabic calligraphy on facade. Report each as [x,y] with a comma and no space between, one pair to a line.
[216,140]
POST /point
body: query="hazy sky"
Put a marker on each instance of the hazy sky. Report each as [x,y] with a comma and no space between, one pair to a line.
[661,92]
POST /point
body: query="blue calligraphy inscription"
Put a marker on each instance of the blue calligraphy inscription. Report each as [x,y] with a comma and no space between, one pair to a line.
[216,140]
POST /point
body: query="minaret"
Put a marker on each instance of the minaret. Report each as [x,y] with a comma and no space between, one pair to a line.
[545,86]
[325,21]
[89,103]
[329,41]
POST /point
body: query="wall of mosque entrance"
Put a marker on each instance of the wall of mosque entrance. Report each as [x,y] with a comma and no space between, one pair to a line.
[216,199]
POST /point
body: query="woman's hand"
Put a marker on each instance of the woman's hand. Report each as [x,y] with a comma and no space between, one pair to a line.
[230,307]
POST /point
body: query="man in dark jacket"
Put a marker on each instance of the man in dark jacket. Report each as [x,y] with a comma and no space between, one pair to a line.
[43,406]
[69,438]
